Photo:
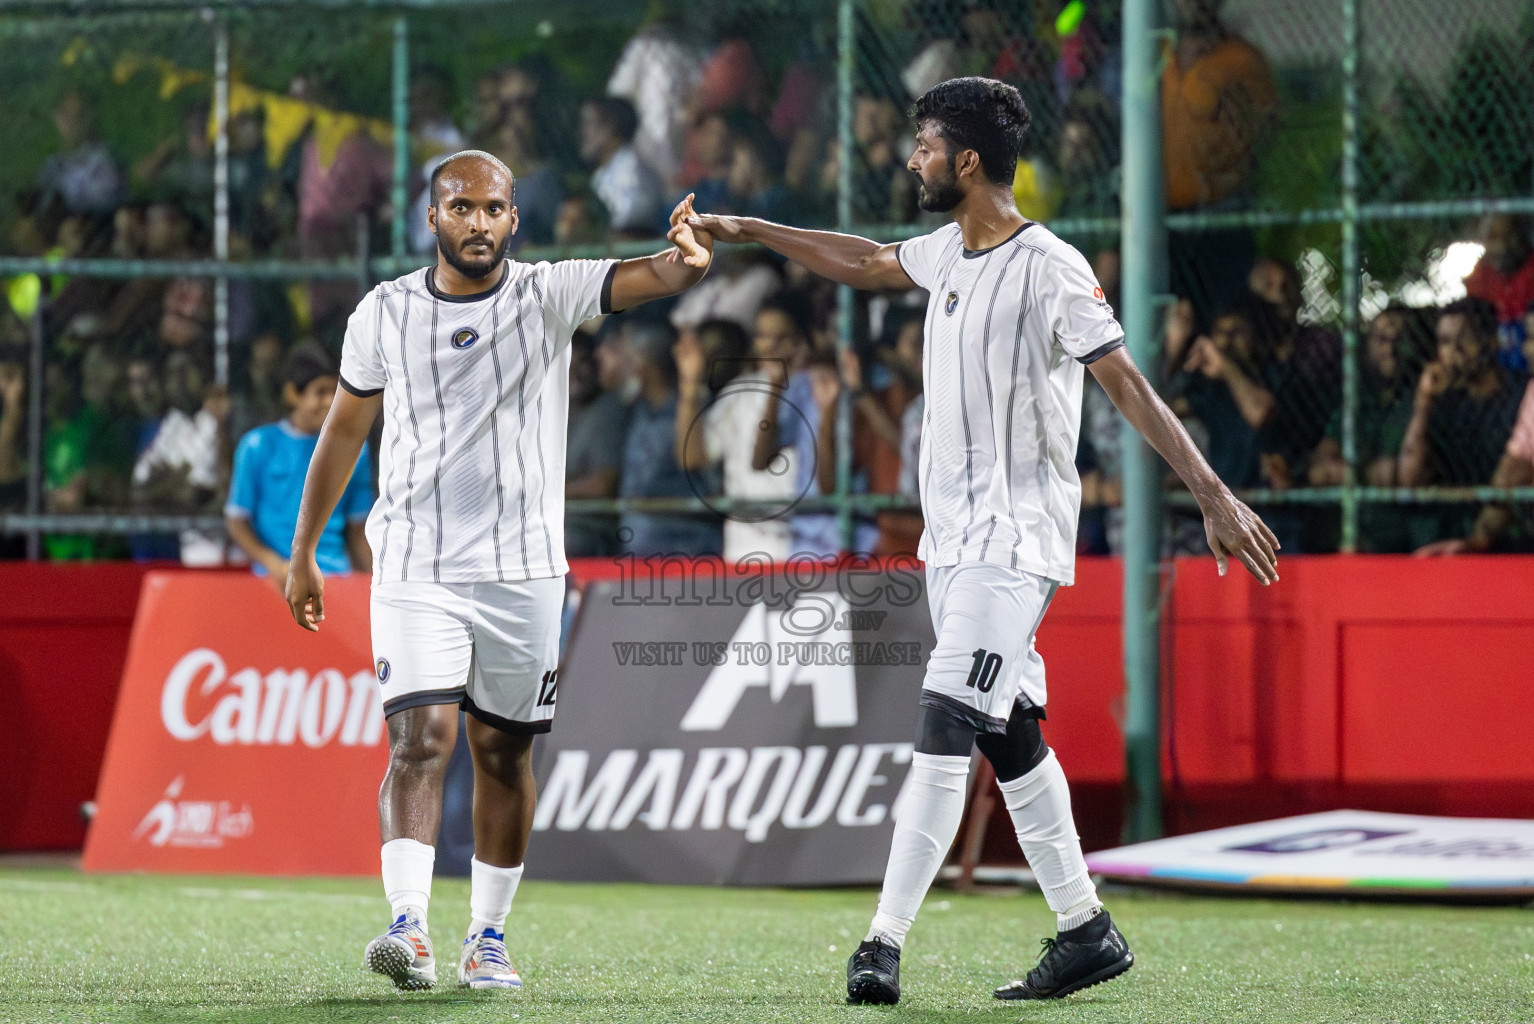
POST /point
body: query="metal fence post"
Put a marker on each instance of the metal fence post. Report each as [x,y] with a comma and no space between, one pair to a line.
[1144,262]
[1350,274]
[221,198]
[36,472]
[401,113]
[846,59]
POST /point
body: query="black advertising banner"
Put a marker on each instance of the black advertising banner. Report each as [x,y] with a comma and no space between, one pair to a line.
[742,730]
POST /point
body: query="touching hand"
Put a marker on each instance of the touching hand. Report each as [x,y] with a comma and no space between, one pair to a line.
[1233,529]
[694,246]
[724,229]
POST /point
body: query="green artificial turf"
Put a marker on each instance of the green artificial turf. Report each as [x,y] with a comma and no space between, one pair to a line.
[151,948]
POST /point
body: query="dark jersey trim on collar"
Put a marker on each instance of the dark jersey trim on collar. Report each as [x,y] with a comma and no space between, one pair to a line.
[431,286]
[971,254]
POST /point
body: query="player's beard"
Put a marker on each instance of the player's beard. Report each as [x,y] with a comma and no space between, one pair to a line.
[940,195]
[474,271]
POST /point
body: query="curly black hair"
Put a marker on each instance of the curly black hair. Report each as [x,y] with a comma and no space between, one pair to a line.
[981,114]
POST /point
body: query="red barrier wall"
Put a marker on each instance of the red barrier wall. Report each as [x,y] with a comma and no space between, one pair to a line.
[63,640]
[1381,682]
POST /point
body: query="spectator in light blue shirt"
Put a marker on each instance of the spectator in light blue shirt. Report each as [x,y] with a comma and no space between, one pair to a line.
[269,469]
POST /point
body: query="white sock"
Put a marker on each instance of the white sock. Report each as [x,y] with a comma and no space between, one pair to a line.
[1040,805]
[929,820]
[407,867]
[490,893]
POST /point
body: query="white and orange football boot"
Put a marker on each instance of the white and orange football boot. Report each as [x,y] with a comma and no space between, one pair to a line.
[403,954]
[484,963]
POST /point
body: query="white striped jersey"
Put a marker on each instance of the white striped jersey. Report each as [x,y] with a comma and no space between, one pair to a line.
[1008,331]
[471,466]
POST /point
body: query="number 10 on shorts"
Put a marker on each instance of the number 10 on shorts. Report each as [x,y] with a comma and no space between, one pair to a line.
[983,673]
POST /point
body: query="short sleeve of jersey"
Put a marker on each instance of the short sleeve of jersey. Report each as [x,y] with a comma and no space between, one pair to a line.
[919,256]
[574,291]
[357,499]
[362,366]
[244,489]
[1072,303]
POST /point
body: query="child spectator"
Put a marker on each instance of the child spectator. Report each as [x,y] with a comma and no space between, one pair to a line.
[182,470]
[269,469]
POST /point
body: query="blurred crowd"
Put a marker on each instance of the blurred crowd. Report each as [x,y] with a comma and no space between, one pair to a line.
[734,390]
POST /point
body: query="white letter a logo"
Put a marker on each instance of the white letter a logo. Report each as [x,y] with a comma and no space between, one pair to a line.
[833,688]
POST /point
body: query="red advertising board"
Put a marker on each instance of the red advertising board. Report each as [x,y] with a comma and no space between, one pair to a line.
[242,743]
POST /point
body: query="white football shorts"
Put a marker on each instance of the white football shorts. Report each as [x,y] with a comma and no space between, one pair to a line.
[985,617]
[493,647]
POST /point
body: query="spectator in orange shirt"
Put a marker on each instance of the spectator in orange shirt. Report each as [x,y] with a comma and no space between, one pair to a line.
[1217,103]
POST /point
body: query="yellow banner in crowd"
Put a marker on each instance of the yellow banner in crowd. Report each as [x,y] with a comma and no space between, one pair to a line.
[286,119]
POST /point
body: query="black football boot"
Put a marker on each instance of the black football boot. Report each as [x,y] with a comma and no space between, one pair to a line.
[873,974]
[1074,960]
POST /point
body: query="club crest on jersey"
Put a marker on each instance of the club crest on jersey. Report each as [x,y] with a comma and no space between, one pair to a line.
[951,303]
[464,338]
[383,670]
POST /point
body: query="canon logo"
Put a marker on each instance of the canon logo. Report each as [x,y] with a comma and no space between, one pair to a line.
[282,707]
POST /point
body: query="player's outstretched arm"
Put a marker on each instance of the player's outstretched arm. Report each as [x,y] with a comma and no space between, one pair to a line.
[666,273]
[845,259]
[1231,527]
[335,456]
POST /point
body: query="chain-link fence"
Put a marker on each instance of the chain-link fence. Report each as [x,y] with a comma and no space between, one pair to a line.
[1319,159]
[181,178]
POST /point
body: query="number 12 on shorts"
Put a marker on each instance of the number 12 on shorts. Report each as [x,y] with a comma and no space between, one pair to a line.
[983,673]
[547,689]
